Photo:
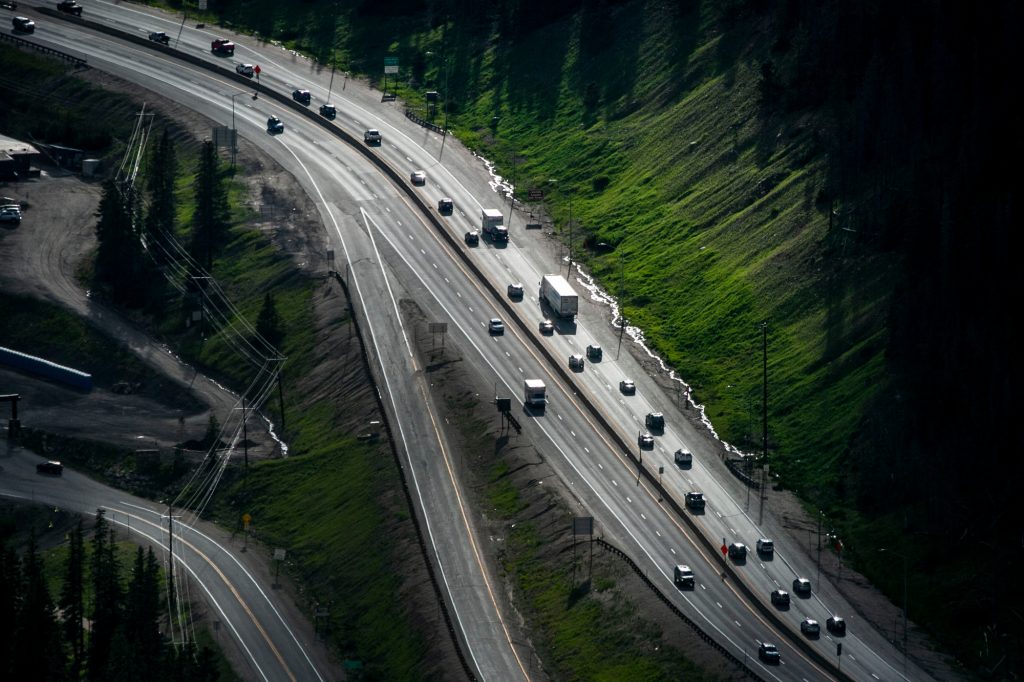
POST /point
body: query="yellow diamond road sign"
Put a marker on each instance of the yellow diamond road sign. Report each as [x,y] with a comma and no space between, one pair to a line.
[246,519]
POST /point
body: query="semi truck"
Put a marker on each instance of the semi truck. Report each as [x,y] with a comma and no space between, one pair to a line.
[535,393]
[559,295]
[492,224]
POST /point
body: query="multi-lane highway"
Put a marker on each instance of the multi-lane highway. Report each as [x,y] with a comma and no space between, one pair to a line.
[392,252]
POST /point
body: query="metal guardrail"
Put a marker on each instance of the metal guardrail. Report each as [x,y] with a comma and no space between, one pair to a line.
[78,62]
[419,120]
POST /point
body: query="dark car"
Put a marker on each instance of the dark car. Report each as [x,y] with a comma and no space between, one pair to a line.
[23,25]
[802,586]
[546,327]
[53,468]
[836,625]
[695,500]
[594,352]
[70,7]
[780,598]
[274,125]
[472,238]
[645,441]
[301,96]
[769,653]
[655,421]
[576,362]
[515,291]
[445,206]
[810,627]
[765,547]
[738,551]
[328,111]
[627,387]
[683,458]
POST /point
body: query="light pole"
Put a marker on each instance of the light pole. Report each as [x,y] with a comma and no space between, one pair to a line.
[234,133]
[444,126]
[568,193]
[904,557]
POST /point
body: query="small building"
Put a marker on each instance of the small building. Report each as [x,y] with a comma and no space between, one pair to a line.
[16,158]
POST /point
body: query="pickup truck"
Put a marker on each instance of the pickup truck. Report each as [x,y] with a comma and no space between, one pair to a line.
[70,7]
[160,37]
[222,46]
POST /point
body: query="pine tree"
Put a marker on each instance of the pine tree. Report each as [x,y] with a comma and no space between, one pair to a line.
[72,600]
[10,590]
[268,324]
[107,598]
[120,261]
[38,651]
[211,216]
[163,170]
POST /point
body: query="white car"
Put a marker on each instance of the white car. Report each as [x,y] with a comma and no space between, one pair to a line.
[418,177]
[245,70]
[496,326]
[546,327]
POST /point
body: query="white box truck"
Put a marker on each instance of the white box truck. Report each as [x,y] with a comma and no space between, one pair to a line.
[492,224]
[535,393]
[559,295]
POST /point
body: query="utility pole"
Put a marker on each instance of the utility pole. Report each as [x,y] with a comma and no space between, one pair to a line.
[170,565]
[245,436]
[622,293]
[331,85]
[280,391]
[764,419]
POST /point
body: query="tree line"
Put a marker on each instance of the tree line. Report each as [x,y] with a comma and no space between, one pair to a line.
[105,623]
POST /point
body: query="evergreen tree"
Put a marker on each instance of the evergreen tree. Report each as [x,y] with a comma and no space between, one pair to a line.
[72,600]
[10,589]
[210,222]
[268,324]
[107,598]
[38,651]
[163,170]
[120,261]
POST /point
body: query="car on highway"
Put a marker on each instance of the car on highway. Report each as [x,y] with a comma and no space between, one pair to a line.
[274,125]
[51,468]
[23,25]
[301,96]
[594,352]
[655,421]
[546,327]
[627,387]
[472,238]
[247,70]
[645,441]
[765,547]
[328,111]
[810,627]
[737,551]
[576,362]
[683,458]
[495,326]
[769,653]
[418,177]
[69,7]
[222,46]
[8,4]
[445,206]
[836,625]
[160,37]
[683,576]
[515,291]
[372,136]
[779,598]
[802,586]
[694,500]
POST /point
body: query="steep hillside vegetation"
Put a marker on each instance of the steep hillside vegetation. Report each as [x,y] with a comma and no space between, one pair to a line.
[833,169]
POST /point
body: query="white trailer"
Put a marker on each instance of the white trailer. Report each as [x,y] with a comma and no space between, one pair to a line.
[559,295]
[492,224]
[535,393]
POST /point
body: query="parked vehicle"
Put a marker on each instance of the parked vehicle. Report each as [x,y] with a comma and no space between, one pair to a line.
[535,393]
[492,224]
[160,37]
[222,46]
[556,291]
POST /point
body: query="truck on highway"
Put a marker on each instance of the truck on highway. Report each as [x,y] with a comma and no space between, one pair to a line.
[559,295]
[160,37]
[535,393]
[222,46]
[492,224]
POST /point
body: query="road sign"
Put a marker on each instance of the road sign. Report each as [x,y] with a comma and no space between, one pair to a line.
[725,550]
[839,648]
[246,520]
[390,65]
[535,194]
[583,525]
[256,69]
[279,554]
